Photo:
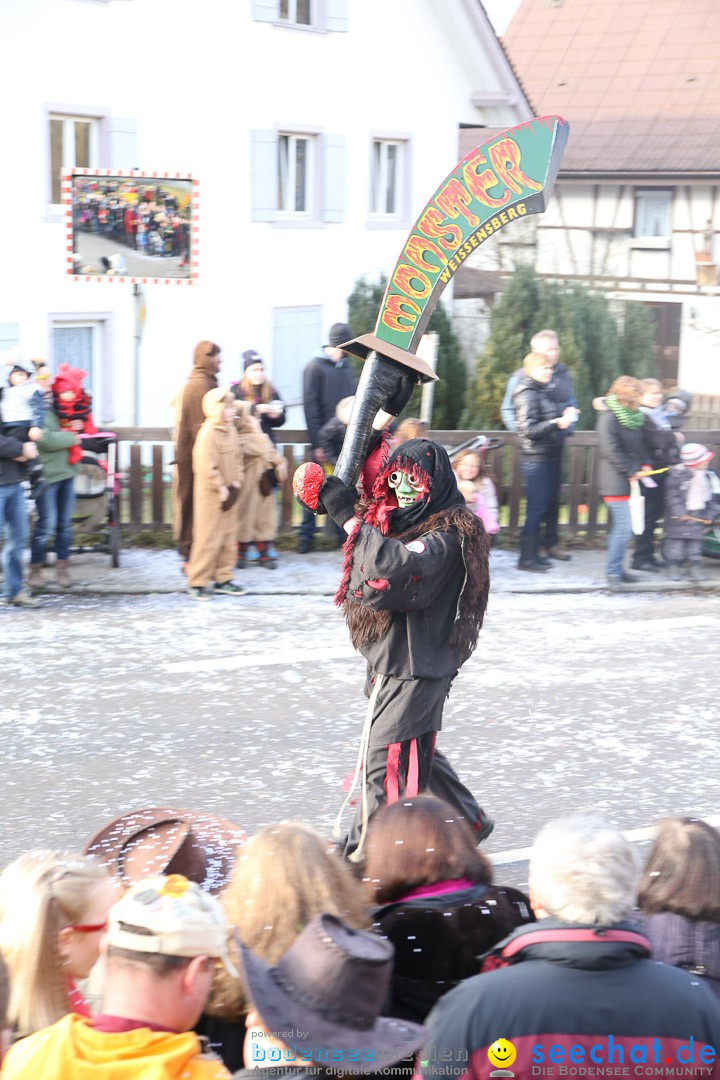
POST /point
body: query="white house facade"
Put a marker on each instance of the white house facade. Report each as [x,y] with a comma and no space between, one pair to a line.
[316,130]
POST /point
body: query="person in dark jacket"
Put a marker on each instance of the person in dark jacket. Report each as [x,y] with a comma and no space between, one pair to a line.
[691,506]
[14,518]
[328,378]
[437,903]
[624,456]
[579,988]
[560,390]
[664,449]
[540,425]
[679,898]
[414,591]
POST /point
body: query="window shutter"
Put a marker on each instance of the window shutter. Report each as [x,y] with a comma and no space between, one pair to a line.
[336,15]
[264,175]
[265,10]
[333,195]
[122,143]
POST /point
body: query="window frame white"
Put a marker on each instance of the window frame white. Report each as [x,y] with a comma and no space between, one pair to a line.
[70,117]
[287,176]
[100,380]
[291,18]
[378,216]
[643,212]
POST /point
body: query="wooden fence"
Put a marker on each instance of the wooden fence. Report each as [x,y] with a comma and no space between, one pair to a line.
[146,456]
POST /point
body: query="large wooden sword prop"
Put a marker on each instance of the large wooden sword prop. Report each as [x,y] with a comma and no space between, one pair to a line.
[503,180]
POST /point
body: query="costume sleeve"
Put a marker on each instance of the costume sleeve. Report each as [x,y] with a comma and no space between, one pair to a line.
[392,575]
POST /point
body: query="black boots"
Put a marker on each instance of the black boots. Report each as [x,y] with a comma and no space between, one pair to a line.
[529,557]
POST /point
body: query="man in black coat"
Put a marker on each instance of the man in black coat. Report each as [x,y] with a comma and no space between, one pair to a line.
[328,378]
[576,993]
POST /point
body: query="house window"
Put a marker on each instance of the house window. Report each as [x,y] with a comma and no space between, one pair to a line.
[299,12]
[653,214]
[81,344]
[74,143]
[387,182]
[295,169]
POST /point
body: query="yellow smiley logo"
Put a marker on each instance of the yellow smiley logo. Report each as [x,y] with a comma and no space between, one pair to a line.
[502,1053]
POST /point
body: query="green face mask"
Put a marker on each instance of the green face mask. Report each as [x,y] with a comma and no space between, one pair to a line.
[406,492]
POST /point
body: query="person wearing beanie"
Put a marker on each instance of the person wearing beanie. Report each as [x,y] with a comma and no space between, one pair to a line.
[189,417]
[692,501]
[328,378]
[264,466]
[540,424]
[664,446]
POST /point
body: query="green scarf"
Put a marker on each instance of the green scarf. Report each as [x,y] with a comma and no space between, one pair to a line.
[629,418]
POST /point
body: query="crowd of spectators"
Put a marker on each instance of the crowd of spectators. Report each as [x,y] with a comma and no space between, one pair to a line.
[148,219]
[173,946]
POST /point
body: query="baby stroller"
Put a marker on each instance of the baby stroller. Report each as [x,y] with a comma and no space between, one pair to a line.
[97,494]
[482,443]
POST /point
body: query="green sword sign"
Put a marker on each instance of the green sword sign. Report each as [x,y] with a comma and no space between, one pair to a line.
[501,181]
[505,179]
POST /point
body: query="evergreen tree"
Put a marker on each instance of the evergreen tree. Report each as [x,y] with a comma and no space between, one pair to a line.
[364,307]
[636,345]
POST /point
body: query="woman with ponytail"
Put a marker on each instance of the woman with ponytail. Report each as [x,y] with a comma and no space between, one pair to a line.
[53,911]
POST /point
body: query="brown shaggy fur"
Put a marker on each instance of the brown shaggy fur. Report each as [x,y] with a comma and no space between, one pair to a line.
[367,626]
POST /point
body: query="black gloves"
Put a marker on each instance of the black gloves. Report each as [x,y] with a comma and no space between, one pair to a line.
[338,500]
[399,399]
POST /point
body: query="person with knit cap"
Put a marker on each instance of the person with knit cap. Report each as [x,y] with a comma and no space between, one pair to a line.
[265,467]
[189,417]
[624,456]
[414,592]
[692,502]
[328,378]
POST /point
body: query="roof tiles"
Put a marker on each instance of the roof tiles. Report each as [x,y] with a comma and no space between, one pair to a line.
[638,80]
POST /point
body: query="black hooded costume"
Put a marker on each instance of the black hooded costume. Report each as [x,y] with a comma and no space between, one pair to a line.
[414,591]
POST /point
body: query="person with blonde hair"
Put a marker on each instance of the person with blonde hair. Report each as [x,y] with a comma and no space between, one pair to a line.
[283,877]
[540,426]
[53,912]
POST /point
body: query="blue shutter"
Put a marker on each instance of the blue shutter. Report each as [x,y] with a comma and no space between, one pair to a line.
[122,144]
[265,10]
[333,191]
[264,182]
[336,16]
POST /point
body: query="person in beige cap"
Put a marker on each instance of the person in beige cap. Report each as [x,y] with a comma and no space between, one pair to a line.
[163,939]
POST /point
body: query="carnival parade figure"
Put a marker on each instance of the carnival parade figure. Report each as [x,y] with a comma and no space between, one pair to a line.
[414,592]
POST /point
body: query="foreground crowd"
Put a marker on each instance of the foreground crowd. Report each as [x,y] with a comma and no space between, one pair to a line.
[175,947]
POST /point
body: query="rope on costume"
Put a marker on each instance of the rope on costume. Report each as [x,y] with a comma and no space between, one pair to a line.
[360,764]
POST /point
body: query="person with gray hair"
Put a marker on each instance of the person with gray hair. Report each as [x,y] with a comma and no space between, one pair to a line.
[578,988]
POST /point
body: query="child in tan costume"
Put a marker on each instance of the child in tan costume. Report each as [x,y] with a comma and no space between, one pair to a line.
[256,514]
[217,480]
